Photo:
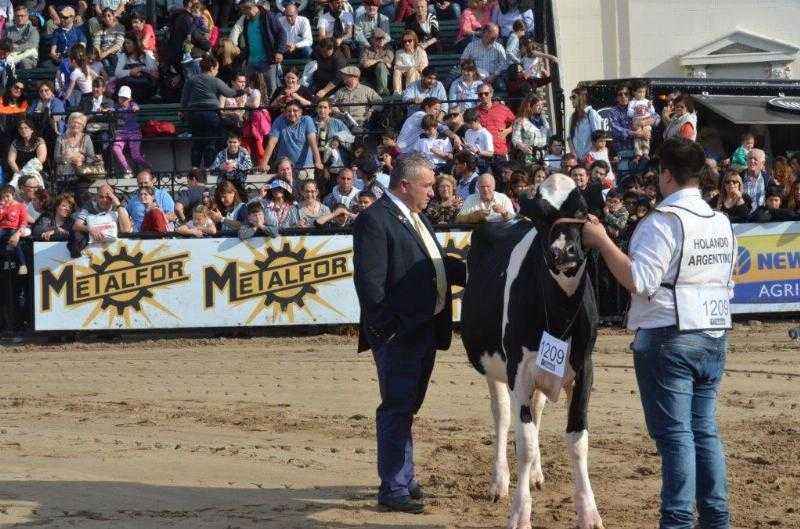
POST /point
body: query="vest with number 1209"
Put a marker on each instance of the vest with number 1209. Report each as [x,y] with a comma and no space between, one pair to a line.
[702,299]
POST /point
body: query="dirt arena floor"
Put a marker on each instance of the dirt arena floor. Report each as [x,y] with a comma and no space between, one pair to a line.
[278,433]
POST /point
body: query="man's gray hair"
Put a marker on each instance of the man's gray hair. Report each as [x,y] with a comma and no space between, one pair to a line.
[407,167]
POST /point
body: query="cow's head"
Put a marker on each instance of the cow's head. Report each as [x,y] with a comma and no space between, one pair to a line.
[559,211]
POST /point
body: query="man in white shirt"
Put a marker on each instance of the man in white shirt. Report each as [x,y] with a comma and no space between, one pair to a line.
[299,40]
[679,271]
[487,205]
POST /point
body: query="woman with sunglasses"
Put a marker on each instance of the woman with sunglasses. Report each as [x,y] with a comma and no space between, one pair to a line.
[732,200]
[409,61]
[14,100]
[583,122]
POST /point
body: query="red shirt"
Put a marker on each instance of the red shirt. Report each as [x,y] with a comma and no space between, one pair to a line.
[13,216]
[496,119]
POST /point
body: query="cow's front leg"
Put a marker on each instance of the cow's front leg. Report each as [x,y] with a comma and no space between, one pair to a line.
[585,506]
[501,412]
[538,402]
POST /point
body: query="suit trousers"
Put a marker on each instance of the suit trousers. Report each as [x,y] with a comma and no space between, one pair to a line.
[404,369]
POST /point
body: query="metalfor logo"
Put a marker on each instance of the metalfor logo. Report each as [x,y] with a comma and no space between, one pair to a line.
[118,283]
[284,279]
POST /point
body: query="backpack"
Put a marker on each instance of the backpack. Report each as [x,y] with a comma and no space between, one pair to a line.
[154,127]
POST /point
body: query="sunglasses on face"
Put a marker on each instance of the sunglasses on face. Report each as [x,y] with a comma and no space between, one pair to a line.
[408,41]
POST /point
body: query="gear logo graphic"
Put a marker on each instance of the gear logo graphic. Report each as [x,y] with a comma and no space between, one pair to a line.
[284,278]
[118,281]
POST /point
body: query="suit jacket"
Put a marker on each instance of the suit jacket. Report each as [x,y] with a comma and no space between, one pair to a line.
[395,278]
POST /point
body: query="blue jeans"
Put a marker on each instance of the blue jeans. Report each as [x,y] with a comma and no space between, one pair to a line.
[5,235]
[679,375]
[404,368]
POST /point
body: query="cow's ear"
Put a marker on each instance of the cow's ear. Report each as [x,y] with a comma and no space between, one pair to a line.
[575,205]
[538,209]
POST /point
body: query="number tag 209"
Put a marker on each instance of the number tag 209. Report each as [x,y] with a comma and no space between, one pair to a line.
[553,354]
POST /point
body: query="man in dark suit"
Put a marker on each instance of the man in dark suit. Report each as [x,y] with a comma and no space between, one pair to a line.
[403,279]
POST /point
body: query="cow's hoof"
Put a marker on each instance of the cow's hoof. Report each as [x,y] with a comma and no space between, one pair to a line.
[590,520]
[500,483]
[537,478]
[520,513]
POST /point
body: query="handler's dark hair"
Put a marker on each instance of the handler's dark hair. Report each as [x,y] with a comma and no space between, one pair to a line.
[207,63]
[683,158]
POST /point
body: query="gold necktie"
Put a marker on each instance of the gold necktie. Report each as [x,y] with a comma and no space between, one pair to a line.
[436,258]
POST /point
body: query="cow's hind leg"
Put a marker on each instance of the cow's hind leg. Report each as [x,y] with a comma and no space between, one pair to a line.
[501,411]
[538,402]
[527,439]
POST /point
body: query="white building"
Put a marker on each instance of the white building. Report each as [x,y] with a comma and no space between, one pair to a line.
[612,39]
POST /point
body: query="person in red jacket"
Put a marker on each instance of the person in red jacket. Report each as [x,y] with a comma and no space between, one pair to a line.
[154,219]
[13,219]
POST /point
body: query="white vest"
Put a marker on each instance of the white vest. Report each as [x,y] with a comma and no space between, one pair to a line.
[702,299]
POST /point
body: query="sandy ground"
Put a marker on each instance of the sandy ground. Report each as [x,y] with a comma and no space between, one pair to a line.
[269,433]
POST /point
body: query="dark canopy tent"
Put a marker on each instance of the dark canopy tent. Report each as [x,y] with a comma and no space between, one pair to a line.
[747,110]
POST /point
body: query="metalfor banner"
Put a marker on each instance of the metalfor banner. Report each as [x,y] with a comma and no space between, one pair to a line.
[767,271]
[174,283]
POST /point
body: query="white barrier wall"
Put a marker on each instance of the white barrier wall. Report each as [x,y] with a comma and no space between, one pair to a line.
[295,280]
[183,283]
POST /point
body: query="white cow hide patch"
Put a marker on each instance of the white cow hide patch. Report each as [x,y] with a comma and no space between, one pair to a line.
[556,189]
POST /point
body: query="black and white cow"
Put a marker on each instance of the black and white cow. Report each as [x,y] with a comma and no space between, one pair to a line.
[525,277]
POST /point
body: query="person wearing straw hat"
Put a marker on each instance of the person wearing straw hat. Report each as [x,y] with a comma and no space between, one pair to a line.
[355,101]
[376,61]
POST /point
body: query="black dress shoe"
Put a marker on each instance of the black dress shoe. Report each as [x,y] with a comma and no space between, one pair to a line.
[416,493]
[402,504]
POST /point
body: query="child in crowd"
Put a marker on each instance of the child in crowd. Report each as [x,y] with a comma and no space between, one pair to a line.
[478,140]
[128,132]
[13,220]
[555,150]
[200,225]
[739,158]
[772,211]
[233,163]
[518,30]
[615,216]
[364,200]
[81,76]
[339,217]
[389,143]
[600,152]
[256,224]
[535,62]
[641,110]
[439,151]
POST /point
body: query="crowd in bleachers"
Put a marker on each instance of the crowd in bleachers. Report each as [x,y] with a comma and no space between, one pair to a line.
[321,97]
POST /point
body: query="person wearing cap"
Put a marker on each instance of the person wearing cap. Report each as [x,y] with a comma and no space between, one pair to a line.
[426,86]
[368,21]
[376,61]
[299,40]
[128,133]
[278,204]
[369,176]
[67,35]
[357,101]
[264,39]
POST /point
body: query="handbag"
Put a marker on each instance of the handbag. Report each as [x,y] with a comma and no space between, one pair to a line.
[93,167]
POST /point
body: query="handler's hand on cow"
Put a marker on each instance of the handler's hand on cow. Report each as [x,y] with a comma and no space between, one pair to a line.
[594,233]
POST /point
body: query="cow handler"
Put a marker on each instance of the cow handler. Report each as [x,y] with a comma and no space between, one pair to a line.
[403,280]
[679,272]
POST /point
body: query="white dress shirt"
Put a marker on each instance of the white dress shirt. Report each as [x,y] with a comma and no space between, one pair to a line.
[474,203]
[655,252]
[299,34]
